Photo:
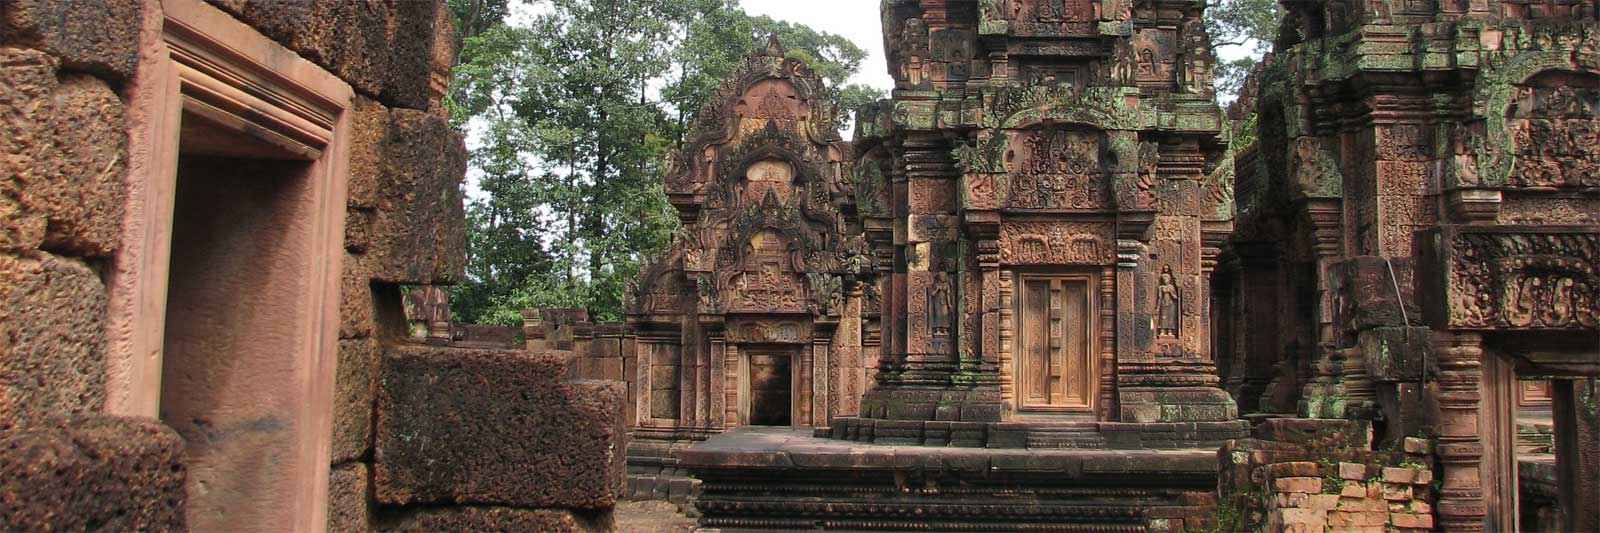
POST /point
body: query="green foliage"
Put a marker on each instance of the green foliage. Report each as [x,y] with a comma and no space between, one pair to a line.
[574,109]
[717,41]
[1249,23]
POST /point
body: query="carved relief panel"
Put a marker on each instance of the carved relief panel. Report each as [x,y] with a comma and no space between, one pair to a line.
[1535,280]
[1555,126]
[1057,169]
[775,100]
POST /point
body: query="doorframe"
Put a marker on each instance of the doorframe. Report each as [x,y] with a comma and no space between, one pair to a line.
[747,398]
[194,57]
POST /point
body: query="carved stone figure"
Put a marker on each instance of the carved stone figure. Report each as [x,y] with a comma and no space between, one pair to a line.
[1169,308]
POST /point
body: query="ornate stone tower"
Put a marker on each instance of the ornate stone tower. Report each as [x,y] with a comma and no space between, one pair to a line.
[1419,224]
[754,315]
[1045,166]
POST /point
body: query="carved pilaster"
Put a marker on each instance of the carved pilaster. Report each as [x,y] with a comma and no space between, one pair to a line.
[1458,370]
[1322,396]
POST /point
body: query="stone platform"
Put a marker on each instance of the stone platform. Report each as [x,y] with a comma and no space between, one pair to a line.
[1041,433]
[780,478]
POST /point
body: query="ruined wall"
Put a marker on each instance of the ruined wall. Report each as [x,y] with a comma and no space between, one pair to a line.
[1322,475]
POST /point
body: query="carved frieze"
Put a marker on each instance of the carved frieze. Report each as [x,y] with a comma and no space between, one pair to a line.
[1055,243]
[1518,278]
[769,332]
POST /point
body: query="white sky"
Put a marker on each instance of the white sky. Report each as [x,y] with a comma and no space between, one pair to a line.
[856,20]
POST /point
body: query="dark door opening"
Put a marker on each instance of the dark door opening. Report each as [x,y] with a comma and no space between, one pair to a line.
[771,387]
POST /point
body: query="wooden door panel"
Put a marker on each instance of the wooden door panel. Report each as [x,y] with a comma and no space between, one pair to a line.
[1054,361]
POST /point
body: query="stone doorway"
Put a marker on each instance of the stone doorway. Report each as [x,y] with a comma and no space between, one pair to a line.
[1055,365]
[229,271]
[771,381]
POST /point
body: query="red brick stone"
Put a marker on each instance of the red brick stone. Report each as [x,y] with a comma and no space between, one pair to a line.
[1398,475]
[1393,492]
[1409,520]
[1357,519]
[1294,469]
[1308,485]
[1353,471]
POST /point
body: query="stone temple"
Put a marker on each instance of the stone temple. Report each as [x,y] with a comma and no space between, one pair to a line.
[1050,285]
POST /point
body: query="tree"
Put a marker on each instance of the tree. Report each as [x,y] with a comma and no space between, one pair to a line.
[574,112]
[1243,23]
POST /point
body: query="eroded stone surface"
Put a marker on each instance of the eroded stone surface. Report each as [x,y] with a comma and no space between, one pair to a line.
[492,427]
[52,338]
[96,472]
[99,36]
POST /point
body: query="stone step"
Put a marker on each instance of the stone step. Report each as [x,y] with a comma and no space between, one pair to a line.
[1065,438]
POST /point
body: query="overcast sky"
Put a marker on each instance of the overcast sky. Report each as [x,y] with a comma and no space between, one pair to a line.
[856,20]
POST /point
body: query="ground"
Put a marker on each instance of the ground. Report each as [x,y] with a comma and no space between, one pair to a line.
[652,516]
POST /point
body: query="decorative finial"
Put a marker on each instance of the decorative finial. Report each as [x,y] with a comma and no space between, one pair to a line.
[774,47]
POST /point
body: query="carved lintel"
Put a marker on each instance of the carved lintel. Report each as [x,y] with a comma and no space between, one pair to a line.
[1470,206]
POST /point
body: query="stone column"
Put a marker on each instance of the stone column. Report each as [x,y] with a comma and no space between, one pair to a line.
[1323,397]
[1459,445]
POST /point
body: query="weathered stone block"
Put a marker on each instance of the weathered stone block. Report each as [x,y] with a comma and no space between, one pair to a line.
[97,472]
[497,519]
[1395,354]
[1368,292]
[29,77]
[355,390]
[349,39]
[82,186]
[52,339]
[62,160]
[418,234]
[98,36]
[348,510]
[495,427]
[411,54]
[357,306]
